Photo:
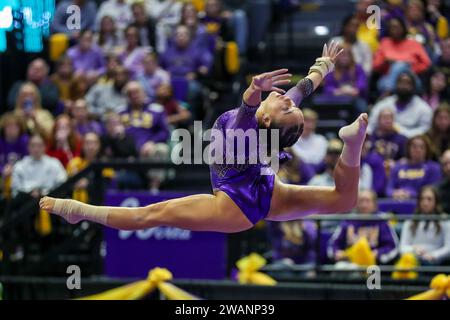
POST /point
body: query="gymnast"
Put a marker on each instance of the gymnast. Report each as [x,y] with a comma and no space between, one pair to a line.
[242,195]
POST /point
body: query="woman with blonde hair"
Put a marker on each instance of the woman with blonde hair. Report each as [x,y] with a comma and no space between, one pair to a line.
[28,105]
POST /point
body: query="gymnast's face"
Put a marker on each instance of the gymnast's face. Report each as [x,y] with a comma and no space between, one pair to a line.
[281,110]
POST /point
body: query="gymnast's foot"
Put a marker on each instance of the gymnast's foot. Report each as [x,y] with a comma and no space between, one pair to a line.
[47,204]
[354,134]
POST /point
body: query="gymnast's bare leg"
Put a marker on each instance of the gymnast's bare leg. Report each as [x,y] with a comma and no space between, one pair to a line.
[290,202]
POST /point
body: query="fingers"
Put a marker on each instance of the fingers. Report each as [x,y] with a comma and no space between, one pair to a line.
[286,76]
[277,72]
[340,51]
[325,50]
[281,82]
[279,90]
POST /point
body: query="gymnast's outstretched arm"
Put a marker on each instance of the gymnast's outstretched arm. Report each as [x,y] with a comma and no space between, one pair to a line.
[322,66]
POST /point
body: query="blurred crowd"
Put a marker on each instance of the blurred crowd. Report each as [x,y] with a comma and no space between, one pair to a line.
[398,73]
[138,69]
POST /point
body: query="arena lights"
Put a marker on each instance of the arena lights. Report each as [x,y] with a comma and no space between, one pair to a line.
[321,30]
[29,20]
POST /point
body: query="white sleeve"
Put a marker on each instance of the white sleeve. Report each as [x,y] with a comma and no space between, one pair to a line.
[444,251]
[17,179]
[406,238]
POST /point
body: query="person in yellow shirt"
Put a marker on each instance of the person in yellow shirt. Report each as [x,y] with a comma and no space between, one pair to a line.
[367,30]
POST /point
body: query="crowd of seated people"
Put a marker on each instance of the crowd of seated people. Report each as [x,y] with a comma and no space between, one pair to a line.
[399,74]
[137,69]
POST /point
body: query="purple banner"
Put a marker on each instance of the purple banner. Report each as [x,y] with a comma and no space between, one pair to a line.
[187,254]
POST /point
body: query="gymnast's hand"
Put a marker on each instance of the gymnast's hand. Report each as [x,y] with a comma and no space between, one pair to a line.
[270,81]
[325,64]
[332,51]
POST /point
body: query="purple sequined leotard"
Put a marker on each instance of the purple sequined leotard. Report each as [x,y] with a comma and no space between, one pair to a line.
[244,183]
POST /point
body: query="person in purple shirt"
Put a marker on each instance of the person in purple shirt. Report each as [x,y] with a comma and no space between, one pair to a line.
[348,81]
[185,59]
[13,144]
[187,62]
[246,193]
[145,123]
[376,164]
[293,242]
[414,172]
[132,53]
[81,119]
[381,237]
[87,58]
[152,75]
[385,139]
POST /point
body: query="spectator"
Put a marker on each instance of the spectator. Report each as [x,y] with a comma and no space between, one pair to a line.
[371,158]
[147,125]
[145,25]
[185,59]
[331,158]
[88,11]
[200,36]
[419,29]
[63,77]
[217,23]
[167,13]
[106,96]
[87,57]
[436,90]
[37,73]
[382,239]
[83,124]
[348,38]
[199,62]
[439,134]
[90,153]
[428,240]
[78,90]
[311,147]
[65,143]
[28,107]
[118,10]
[348,80]
[112,62]
[132,54]
[366,33]
[187,62]
[296,171]
[385,139]
[36,174]
[108,39]
[293,243]
[444,185]
[398,54]
[435,16]
[13,146]
[116,143]
[443,62]
[152,76]
[177,113]
[413,114]
[414,172]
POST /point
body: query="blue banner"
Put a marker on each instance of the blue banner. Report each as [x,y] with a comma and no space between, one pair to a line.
[187,254]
